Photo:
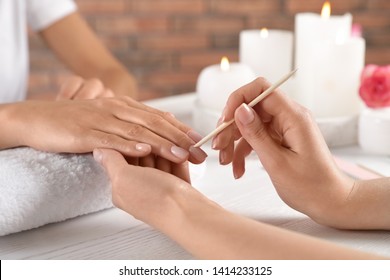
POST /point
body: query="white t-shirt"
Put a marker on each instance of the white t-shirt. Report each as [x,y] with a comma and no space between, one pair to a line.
[15,15]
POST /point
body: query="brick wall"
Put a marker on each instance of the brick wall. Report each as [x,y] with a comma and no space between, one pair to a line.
[166,43]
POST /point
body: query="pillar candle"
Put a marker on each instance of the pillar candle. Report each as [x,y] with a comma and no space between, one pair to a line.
[217,82]
[329,62]
[267,52]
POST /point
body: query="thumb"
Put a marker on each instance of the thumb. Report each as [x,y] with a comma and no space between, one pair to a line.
[111,160]
[255,133]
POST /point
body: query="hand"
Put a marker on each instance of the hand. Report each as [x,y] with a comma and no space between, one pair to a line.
[290,147]
[79,126]
[147,193]
[199,225]
[77,88]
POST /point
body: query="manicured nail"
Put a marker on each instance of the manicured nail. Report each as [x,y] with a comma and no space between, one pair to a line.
[179,152]
[142,147]
[235,174]
[214,143]
[222,157]
[97,155]
[198,153]
[245,114]
[194,135]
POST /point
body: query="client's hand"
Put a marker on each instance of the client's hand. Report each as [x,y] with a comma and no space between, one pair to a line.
[290,147]
[79,126]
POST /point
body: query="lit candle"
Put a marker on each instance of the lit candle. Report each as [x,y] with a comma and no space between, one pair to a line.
[330,61]
[217,82]
[214,85]
[267,52]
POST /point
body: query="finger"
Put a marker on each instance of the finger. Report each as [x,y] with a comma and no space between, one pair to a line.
[241,151]
[160,146]
[91,89]
[163,136]
[98,139]
[181,170]
[163,164]
[255,133]
[70,88]
[226,154]
[148,161]
[132,160]
[166,115]
[111,160]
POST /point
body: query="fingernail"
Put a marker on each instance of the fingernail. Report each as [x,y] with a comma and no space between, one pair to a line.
[235,174]
[222,157]
[172,115]
[245,114]
[142,147]
[97,155]
[214,143]
[194,135]
[198,153]
[179,152]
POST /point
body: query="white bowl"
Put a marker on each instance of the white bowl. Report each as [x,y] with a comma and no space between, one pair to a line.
[374,131]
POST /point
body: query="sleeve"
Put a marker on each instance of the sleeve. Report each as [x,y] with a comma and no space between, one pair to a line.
[43,13]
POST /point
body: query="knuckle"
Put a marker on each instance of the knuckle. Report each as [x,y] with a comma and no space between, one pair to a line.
[258,133]
[183,140]
[262,81]
[304,115]
[167,115]
[96,82]
[134,130]
[155,121]
[106,141]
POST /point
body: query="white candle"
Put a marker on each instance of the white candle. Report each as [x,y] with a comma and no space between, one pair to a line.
[335,77]
[329,62]
[217,82]
[268,52]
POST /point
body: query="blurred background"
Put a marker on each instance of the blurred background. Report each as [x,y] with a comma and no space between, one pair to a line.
[166,43]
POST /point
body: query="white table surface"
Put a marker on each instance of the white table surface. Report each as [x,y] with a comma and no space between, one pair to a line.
[113,234]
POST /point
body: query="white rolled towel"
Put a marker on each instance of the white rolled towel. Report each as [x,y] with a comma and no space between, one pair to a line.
[37,188]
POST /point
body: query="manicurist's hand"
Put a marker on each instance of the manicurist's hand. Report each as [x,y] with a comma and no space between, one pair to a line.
[168,203]
[79,126]
[291,149]
[147,192]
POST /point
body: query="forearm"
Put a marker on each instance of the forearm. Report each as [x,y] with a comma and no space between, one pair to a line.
[119,81]
[210,232]
[80,49]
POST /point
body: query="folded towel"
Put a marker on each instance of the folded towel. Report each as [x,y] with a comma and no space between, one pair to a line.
[37,188]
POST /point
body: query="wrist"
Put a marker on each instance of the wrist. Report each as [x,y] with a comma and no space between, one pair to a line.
[9,125]
[334,209]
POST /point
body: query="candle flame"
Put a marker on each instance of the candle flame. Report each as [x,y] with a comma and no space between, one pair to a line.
[326,10]
[225,65]
[264,33]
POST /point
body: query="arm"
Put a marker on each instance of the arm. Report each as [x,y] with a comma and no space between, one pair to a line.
[79,48]
[292,150]
[199,225]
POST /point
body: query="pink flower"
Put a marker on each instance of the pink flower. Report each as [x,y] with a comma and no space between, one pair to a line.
[375,86]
